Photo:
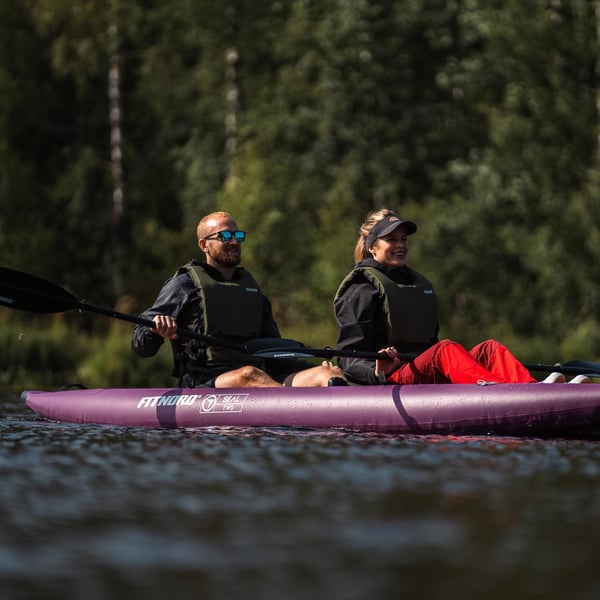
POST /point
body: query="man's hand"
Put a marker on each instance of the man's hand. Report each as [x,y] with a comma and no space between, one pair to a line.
[165,326]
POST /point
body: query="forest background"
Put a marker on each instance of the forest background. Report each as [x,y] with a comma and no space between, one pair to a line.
[123,122]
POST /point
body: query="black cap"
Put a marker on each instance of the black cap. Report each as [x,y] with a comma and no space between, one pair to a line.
[387,225]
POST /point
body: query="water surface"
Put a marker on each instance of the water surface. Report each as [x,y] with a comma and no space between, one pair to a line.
[104,513]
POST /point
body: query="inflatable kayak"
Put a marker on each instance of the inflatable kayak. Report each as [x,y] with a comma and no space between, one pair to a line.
[504,409]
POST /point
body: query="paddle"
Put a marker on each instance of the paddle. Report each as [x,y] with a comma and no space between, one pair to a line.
[285,348]
[30,293]
[33,294]
[282,348]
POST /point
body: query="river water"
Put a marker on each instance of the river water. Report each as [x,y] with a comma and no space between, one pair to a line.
[105,513]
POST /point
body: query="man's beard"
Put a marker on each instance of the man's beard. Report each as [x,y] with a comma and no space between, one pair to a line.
[228,258]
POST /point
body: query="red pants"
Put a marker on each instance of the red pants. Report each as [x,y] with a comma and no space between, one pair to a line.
[449,362]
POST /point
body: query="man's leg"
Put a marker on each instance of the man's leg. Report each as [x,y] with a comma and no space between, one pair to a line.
[317,376]
[247,376]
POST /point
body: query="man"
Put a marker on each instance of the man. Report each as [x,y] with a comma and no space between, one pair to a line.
[221,299]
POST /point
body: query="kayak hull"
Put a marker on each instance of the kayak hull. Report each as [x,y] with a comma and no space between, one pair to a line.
[503,409]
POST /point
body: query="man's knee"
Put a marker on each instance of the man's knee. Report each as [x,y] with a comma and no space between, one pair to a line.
[249,373]
[246,376]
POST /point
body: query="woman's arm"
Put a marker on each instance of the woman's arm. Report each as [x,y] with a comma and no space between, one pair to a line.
[359,316]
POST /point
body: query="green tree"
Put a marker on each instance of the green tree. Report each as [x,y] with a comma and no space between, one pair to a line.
[478,120]
[506,248]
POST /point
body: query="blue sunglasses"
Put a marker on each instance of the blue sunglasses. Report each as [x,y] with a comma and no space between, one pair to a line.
[227,236]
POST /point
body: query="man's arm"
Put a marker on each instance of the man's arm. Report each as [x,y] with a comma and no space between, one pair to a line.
[170,300]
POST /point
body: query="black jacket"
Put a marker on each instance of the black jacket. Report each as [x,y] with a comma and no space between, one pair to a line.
[362,322]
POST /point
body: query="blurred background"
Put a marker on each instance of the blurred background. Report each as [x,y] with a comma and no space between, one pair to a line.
[124,122]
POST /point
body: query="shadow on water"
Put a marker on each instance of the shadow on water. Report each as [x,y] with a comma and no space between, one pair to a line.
[110,512]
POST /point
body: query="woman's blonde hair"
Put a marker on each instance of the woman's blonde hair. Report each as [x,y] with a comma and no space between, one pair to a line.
[361,251]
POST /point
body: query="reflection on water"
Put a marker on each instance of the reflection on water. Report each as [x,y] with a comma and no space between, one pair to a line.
[106,512]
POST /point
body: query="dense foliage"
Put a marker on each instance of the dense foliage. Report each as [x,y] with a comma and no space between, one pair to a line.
[478,120]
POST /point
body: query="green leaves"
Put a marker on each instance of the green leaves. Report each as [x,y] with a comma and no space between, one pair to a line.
[477,120]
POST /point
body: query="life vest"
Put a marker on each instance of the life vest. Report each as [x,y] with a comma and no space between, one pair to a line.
[411,310]
[232,311]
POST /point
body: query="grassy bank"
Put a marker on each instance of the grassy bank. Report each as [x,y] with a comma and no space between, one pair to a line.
[50,352]
[50,355]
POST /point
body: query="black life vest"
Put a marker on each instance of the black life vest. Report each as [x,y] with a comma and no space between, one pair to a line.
[232,310]
[411,310]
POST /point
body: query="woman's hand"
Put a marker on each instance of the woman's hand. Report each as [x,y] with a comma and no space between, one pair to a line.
[383,367]
[165,326]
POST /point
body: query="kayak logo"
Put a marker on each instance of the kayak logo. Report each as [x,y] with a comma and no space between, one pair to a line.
[223,403]
[210,403]
[170,400]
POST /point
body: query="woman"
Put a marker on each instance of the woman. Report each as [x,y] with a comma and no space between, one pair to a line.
[383,303]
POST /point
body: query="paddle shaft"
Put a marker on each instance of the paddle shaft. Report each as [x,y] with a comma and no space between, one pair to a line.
[570,368]
[209,339]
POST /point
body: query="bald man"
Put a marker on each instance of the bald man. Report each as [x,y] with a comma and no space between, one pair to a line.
[219,298]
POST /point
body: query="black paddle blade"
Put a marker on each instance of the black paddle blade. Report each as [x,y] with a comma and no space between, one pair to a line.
[585,367]
[26,292]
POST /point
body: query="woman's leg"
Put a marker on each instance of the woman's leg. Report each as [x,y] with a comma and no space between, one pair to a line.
[498,359]
[444,362]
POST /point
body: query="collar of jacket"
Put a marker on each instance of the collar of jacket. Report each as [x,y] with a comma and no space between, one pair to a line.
[401,275]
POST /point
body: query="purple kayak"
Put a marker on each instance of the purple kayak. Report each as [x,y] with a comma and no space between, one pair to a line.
[505,409]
